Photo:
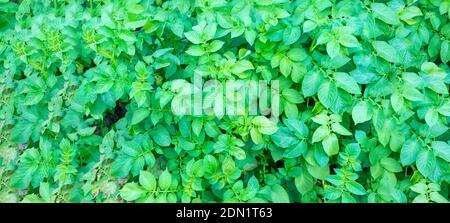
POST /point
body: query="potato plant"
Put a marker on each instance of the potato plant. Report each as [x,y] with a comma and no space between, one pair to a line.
[90,92]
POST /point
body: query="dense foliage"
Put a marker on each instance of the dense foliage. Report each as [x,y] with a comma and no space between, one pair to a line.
[86,88]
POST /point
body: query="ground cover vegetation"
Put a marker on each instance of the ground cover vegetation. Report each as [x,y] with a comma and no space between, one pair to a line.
[87,88]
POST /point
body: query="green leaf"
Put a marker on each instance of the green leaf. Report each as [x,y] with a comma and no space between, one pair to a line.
[444,109]
[132,192]
[210,31]
[195,51]
[397,101]
[215,46]
[386,51]
[296,150]
[391,165]
[431,117]
[29,164]
[237,152]
[335,180]
[320,133]
[21,132]
[211,129]
[332,193]
[147,180]
[338,128]
[304,183]
[385,13]
[161,136]
[420,187]
[361,112]
[252,187]
[33,97]
[321,119]
[422,198]
[355,188]
[438,198]
[279,194]
[291,34]
[121,166]
[333,48]
[299,127]
[441,149]
[186,145]
[165,180]
[250,36]
[103,86]
[256,136]
[228,166]
[324,37]
[297,54]
[344,81]
[319,172]
[347,198]
[410,12]
[412,94]
[331,145]
[291,110]
[283,138]
[285,66]
[241,66]
[309,25]
[264,125]
[328,94]
[426,163]
[409,152]
[445,51]
[348,40]
[292,96]
[139,115]
[311,83]
[193,37]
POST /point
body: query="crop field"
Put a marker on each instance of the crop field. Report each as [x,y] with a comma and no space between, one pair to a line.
[217,101]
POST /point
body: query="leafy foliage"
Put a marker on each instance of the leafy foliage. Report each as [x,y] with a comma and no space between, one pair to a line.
[87,90]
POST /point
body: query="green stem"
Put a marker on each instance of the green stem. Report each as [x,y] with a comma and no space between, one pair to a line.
[54,4]
[90,5]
